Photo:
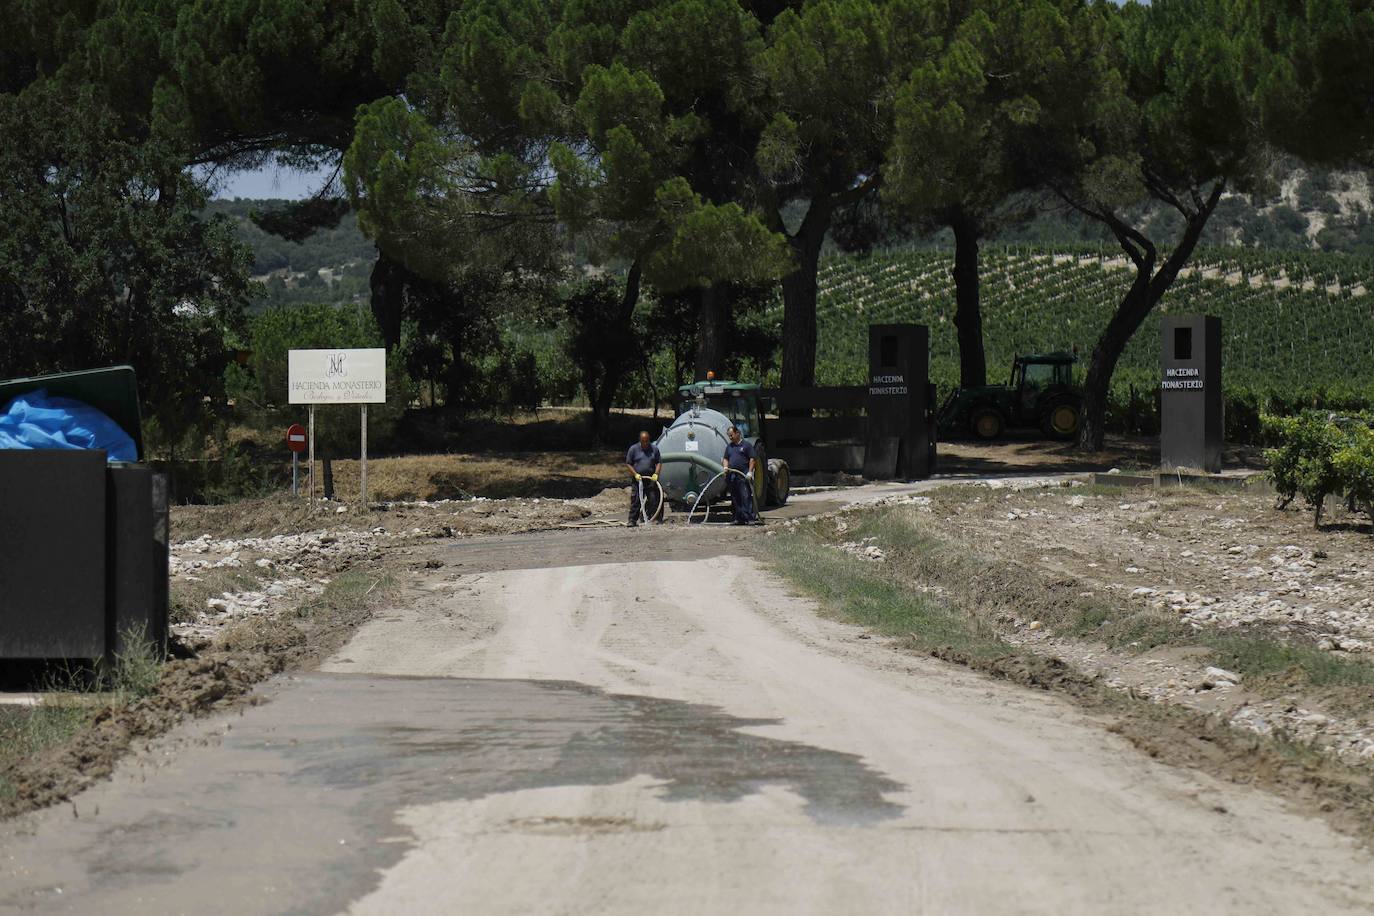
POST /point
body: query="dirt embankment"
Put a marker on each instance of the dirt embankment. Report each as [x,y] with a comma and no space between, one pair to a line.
[254,559]
[1215,601]
[1047,585]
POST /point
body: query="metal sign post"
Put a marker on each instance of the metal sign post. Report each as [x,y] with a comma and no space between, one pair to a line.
[364,467]
[310,475]
[295,441]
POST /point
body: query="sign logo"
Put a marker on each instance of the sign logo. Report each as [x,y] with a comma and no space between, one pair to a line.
[336,365]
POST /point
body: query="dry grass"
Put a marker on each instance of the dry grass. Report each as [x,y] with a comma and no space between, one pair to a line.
[562,475]
[188,597]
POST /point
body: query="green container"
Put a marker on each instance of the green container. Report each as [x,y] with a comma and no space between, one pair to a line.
[112,391]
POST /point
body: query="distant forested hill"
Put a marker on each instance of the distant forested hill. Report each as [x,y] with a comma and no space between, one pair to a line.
[1314,210]
[331,248]
[332,265]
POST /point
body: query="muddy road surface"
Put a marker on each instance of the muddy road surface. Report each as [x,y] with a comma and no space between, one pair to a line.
[598,722]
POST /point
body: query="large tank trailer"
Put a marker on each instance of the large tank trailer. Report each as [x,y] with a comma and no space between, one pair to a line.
[694,445]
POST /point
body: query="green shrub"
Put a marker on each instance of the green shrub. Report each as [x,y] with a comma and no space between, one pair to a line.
[1354,465]
[1283,460]
[1317,475]
[1319,455]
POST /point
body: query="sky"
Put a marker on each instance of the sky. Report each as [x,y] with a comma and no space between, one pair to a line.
[271,182]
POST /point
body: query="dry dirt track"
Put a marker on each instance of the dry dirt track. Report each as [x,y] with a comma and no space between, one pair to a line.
[960,795]
[652,736]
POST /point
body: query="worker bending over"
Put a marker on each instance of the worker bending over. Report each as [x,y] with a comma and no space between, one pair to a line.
[739,456]
[645,462]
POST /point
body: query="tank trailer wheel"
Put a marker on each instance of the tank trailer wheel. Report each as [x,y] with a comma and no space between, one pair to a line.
[985,423]
[779,482]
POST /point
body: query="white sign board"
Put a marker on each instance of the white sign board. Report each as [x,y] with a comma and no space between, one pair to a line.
[337,376]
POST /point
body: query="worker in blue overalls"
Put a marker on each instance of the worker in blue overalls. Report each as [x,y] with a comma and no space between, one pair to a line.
[645,463]
[739,456]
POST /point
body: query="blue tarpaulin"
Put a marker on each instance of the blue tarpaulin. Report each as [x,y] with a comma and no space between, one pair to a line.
[35,420]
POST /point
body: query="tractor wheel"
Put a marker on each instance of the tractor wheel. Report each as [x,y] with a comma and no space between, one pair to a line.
[761,478]
[1060,419]
[985,423]
[779,482]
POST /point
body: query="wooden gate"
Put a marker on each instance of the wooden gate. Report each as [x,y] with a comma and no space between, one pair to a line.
[884,429]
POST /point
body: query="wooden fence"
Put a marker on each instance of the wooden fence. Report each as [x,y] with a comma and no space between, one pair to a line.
[834,441]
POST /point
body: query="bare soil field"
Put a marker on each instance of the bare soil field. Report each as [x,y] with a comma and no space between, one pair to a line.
[1215,601]
[1033,455]
[556,475]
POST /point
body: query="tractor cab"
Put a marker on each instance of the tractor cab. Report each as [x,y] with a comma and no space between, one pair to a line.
[736,400]
[1033,377]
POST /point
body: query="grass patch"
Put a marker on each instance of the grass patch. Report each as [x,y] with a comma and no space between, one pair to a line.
[188,598]
[1261,657]
[26,730]
[345,591]
[70,699]
[855,590]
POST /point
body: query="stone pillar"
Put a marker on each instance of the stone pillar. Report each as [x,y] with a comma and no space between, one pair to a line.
[1190,402]
[899,441]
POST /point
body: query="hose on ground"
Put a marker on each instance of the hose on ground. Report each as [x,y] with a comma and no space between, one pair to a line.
[722,473]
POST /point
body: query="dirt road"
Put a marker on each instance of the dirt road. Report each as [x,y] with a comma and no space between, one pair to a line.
[565,723]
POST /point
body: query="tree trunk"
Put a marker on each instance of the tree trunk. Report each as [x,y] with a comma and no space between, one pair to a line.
[388,296]
[601,418]
[1146,290]
[604,394]
[712,347]
[799,297]
[1129,314]
[968,313]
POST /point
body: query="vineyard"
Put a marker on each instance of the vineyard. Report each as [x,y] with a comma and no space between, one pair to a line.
[1298,327]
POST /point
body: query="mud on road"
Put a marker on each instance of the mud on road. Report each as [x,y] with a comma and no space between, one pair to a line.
[262,586]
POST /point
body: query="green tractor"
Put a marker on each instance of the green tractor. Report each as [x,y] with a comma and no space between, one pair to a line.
[1041,396]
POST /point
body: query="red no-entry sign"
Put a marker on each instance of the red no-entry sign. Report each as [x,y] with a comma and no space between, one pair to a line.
[295,437]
